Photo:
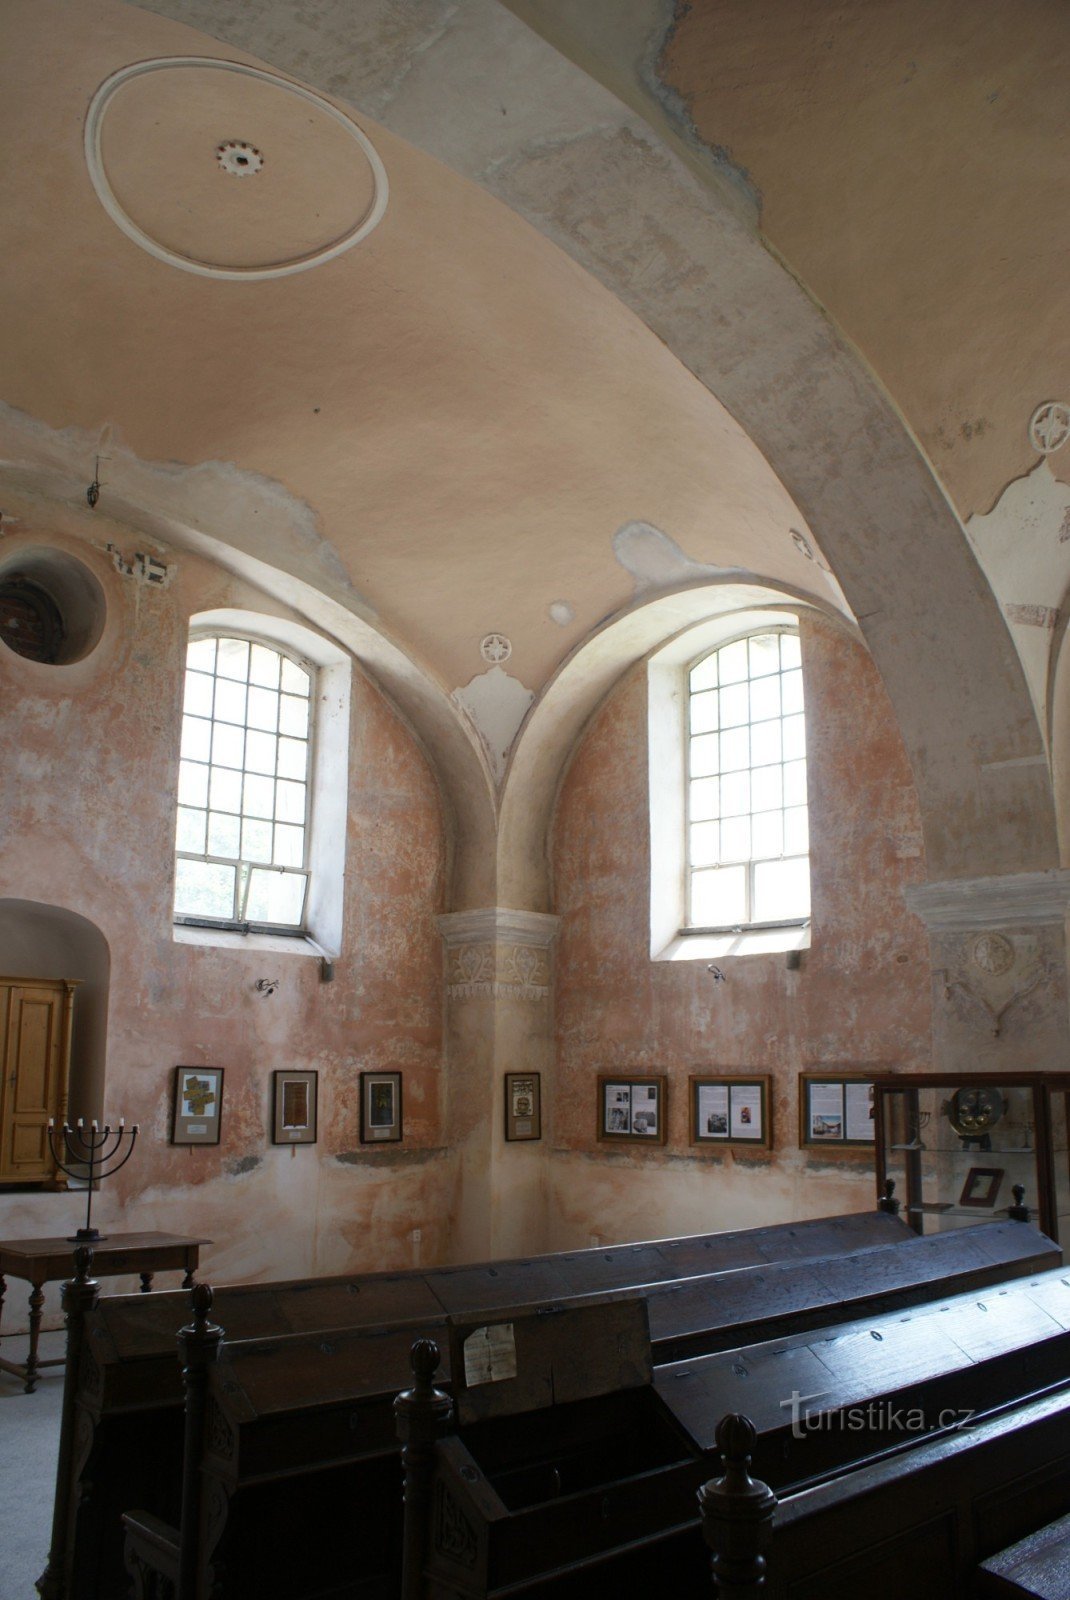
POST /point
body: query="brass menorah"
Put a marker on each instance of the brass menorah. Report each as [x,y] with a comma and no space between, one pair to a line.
[93,1152]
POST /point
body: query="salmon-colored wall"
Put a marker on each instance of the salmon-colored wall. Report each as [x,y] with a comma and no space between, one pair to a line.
[87,811]
[860,1000]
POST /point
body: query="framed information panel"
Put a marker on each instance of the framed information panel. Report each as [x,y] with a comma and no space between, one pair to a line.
[836,1109]
[631,1109]
[731,1110]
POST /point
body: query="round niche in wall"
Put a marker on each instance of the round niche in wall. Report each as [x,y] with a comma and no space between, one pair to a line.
[52,608]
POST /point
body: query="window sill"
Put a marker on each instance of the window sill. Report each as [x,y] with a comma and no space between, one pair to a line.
[749,942]
[283,944]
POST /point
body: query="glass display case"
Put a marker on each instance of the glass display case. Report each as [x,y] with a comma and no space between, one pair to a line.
[956,1145]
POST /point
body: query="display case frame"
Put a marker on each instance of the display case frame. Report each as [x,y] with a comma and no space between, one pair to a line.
[1016,1124]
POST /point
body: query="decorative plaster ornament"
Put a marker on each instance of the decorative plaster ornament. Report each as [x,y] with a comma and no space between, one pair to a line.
[1049,426]
[241,160]
[172,109]
[992,953]
[495,649]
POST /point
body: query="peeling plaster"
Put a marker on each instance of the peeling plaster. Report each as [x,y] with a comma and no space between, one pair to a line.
[1025,555]
[245,509]
[497,703]
[655,561]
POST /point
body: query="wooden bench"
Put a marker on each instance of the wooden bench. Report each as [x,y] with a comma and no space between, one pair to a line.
[1036,1568]
[278,1410]
[128,1398]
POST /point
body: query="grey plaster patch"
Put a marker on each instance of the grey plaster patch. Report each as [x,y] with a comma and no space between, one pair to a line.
[244,509]
[655,561]
[243,1164]
[385,1155]
[1026,559]
[561,613]
[497,703]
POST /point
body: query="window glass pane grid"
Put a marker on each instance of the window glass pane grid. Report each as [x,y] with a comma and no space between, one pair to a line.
[748,835]
[243,784]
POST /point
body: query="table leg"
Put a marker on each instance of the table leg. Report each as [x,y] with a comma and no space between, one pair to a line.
[146,1282]
[3,1291]
[37,1300]
[187,1281]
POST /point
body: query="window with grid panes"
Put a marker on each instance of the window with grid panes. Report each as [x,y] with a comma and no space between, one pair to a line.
[243,789]
[748,835]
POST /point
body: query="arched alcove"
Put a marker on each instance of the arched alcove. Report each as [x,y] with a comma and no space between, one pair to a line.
[46,941]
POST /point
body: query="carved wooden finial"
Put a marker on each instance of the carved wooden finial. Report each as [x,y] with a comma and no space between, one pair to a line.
[83,1263]
[887,1201]
[735,1436]
[424,1359]
[201,1299]
[737,1513]
[1019,1211]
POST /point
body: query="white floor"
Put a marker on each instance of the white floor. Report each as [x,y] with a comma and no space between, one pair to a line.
[29,1440]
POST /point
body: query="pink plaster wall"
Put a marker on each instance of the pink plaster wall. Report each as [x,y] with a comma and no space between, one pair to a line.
[861,999]
[86,822]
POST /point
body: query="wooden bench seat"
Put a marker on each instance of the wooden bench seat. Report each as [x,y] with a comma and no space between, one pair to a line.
[1036,1568]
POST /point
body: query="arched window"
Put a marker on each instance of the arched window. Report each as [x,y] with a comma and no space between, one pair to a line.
[747,853]
[244,788]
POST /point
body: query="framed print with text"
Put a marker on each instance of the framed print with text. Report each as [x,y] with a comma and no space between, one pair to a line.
[523,1105]
[198,1105]
[632,1109]
[732,1110]
[293,1118]
[836,1109]
[380,1107]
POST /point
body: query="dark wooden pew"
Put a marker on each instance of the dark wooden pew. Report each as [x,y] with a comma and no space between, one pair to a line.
[905,1503]
[280,1409]
[129,1392]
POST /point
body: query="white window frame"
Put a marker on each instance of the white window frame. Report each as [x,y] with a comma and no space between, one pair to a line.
[239,922]
[327,787]
[668,704]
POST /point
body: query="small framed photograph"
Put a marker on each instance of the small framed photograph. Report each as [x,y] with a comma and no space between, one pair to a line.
[734,1110]
[632,1109]
[981,1187]
[380,1107]
[836,1109]
[294,1108]
[523,1105]
[198,1105]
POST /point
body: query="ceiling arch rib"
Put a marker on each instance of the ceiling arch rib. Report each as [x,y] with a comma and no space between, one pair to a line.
[591,176]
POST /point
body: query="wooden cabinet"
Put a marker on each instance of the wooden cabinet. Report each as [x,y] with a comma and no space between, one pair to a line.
[35,1052]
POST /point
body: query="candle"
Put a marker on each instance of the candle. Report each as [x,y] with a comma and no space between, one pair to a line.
[93,1124]
[79,1122]
[51,1122]
[122,1123]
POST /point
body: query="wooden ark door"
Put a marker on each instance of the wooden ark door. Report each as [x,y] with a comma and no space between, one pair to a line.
[36,1020]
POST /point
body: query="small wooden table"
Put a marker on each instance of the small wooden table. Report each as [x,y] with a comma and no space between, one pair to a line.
[41,1261]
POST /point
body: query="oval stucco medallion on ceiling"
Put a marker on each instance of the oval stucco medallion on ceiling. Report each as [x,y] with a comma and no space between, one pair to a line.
[152,140]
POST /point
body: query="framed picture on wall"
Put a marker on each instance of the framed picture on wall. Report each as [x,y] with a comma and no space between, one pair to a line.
[836,1109]
[523,1105]
[198,1105]
[632,1109]
[294,1107]
[380,1107]
[731,1110]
